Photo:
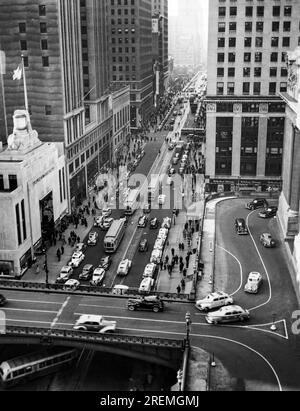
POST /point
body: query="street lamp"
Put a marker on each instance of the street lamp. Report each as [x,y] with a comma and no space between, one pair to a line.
[46,267]
[188,328]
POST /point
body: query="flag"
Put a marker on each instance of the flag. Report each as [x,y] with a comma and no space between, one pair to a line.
[17,73]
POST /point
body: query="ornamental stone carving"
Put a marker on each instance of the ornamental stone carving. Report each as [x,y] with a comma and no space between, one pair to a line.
[23,137]
[211,108]
[237,108]
[263,108]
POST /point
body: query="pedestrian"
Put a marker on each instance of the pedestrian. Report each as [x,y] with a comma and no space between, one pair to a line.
[176,259]
[37,269]
[58,253]
[173,252]
[62,250]
[179,246]
[181,260]
[184,272]
[161,265]
[165,266]
[167,259]
[85,222]
[69,240]
[182,283]
[181,266]
[78,239]
[182,247]
[178,289]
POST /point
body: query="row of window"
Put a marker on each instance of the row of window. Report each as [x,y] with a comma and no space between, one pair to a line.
[120,31]
[227,107]
[246,88]
[120,12]
[23,28]
[121,50]
[122,22]
[259,41]
[257,71]
[43,44]
[122,2]
[21,222]
[260,11]
[247,57]
[121,40]
[232,25]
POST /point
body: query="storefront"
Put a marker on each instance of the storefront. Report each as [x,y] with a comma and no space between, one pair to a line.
[78,189]
[7,269]
[92,171]
[26,262]
[233,185]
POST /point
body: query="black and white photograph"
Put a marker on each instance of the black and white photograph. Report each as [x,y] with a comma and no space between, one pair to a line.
[149,199]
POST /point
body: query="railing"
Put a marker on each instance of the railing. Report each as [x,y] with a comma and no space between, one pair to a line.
[48,335]
[88,290]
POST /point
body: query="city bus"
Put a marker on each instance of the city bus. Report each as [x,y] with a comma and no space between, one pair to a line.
[114,236]
[31,366]
[153,188]
[132,202]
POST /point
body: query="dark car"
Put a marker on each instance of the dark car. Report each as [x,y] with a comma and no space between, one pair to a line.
[87,272]
[154,223]
[240,226]
[152,303]
[143,246]
[105,263]
[267,240]
[3,300]
[147,209]
[257,203]
[269,212]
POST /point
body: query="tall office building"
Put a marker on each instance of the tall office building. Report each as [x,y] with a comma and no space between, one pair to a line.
[65,56]
[248,42]
[130,56]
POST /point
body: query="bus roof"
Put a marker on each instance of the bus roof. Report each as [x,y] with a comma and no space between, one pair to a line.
[115,228]
[132,197]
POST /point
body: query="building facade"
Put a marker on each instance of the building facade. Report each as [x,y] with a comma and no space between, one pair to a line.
[121,122]
[64,45]
[130,54]
[248,44]
[289,203]
[32,199]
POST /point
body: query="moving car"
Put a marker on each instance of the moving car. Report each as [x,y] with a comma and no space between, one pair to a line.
[105,262]
[267,240]
[240,226]
[149,270]
[146,285]
[214,300]
[93,238]
[77,259]
[98,276]
[175,161]
[124,267]
[154,223]
[94,323]
[143,221]
[230,314]
[71,285]
[106,212]
[152,303]
[171,147]
[80,247]
[98,221]
[172,121]
[147,209]
[106,223]
[3,300]
[143,246]
[87,272]
[156,256]
[269,212]
[254,282]
[65,273]
[172,171]
[257,203]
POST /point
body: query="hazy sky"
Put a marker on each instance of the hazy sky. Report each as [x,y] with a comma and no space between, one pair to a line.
[173,5]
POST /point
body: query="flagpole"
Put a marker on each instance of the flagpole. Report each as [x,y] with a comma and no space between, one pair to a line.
[3,94]
[25,85]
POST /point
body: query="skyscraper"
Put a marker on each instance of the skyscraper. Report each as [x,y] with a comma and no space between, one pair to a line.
[65,56]
[248,42]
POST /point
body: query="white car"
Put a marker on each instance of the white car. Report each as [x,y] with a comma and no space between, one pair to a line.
[254,282]
[65,274]
[124,267]
[167,222]
[185,157]
[93,238]
[149,270]
[106,212]
[98,276]
[162,199]
[95,323]
[77,259]
[214,300]
[159,244]
[146,285]
[98,221]
[156,256]
[163,234]
[71,285]
[106,223]
[169,181]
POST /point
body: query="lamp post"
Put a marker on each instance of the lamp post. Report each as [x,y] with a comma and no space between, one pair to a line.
[188,328]
[46,267]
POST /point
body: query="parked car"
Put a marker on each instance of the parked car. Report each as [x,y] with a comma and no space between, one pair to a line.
[241,227]
[147,208]
[162,199]
[98,277]
[105,262]
[172,171]
[267,240]
[143,246]
[87,272]
[156,256]
[65,273]
[93,238]
[98,221]
[3,300]
[159,244]
[233,313]
[213,301]
[106,212]
[94,323]
[143,221]
[171,147]
[181,170]
[269,212]
[124,267]
[170,181]
[77,259]
[175,160]
[167,222]
[106,223]
[150,270]
[154,223]
[257,203]
[80,247]
[163,234]
[254,282]
[152,303]
[71,285]
[146,285]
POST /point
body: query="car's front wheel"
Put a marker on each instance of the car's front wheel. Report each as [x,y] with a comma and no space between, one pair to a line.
[155,309]
[131,308]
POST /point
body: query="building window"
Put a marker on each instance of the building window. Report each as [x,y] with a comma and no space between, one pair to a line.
[22,27]
[232,42]
[288,11]
[248,26]
[18,224]
[249,11]
[272,88]
[258,57]
[48,110]
[247,42]
[13,182]
[221,27]
[286,26]
[247,57]
[231,57]
[260,11]
[258,41]
[231,72]
[232,26]
[220,89]
[44,44]
[257,71]
[286,42]
[221,57]
[45,60]
[275,25]
[246,88]
[233,11]
[42,10]
[260,26]
[283,72]
[23,220]
[230,89]
[256,88]
[1,183]
[246,71]
[283,87]
[273,71]
[222,11]
[276,11]
[220,72]
[43,28]
[274,57]
[221,42]
[23,45]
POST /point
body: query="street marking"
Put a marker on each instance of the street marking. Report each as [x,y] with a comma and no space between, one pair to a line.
[262,261]
[34,302]
[241,269]
[60,311]
[29,310]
